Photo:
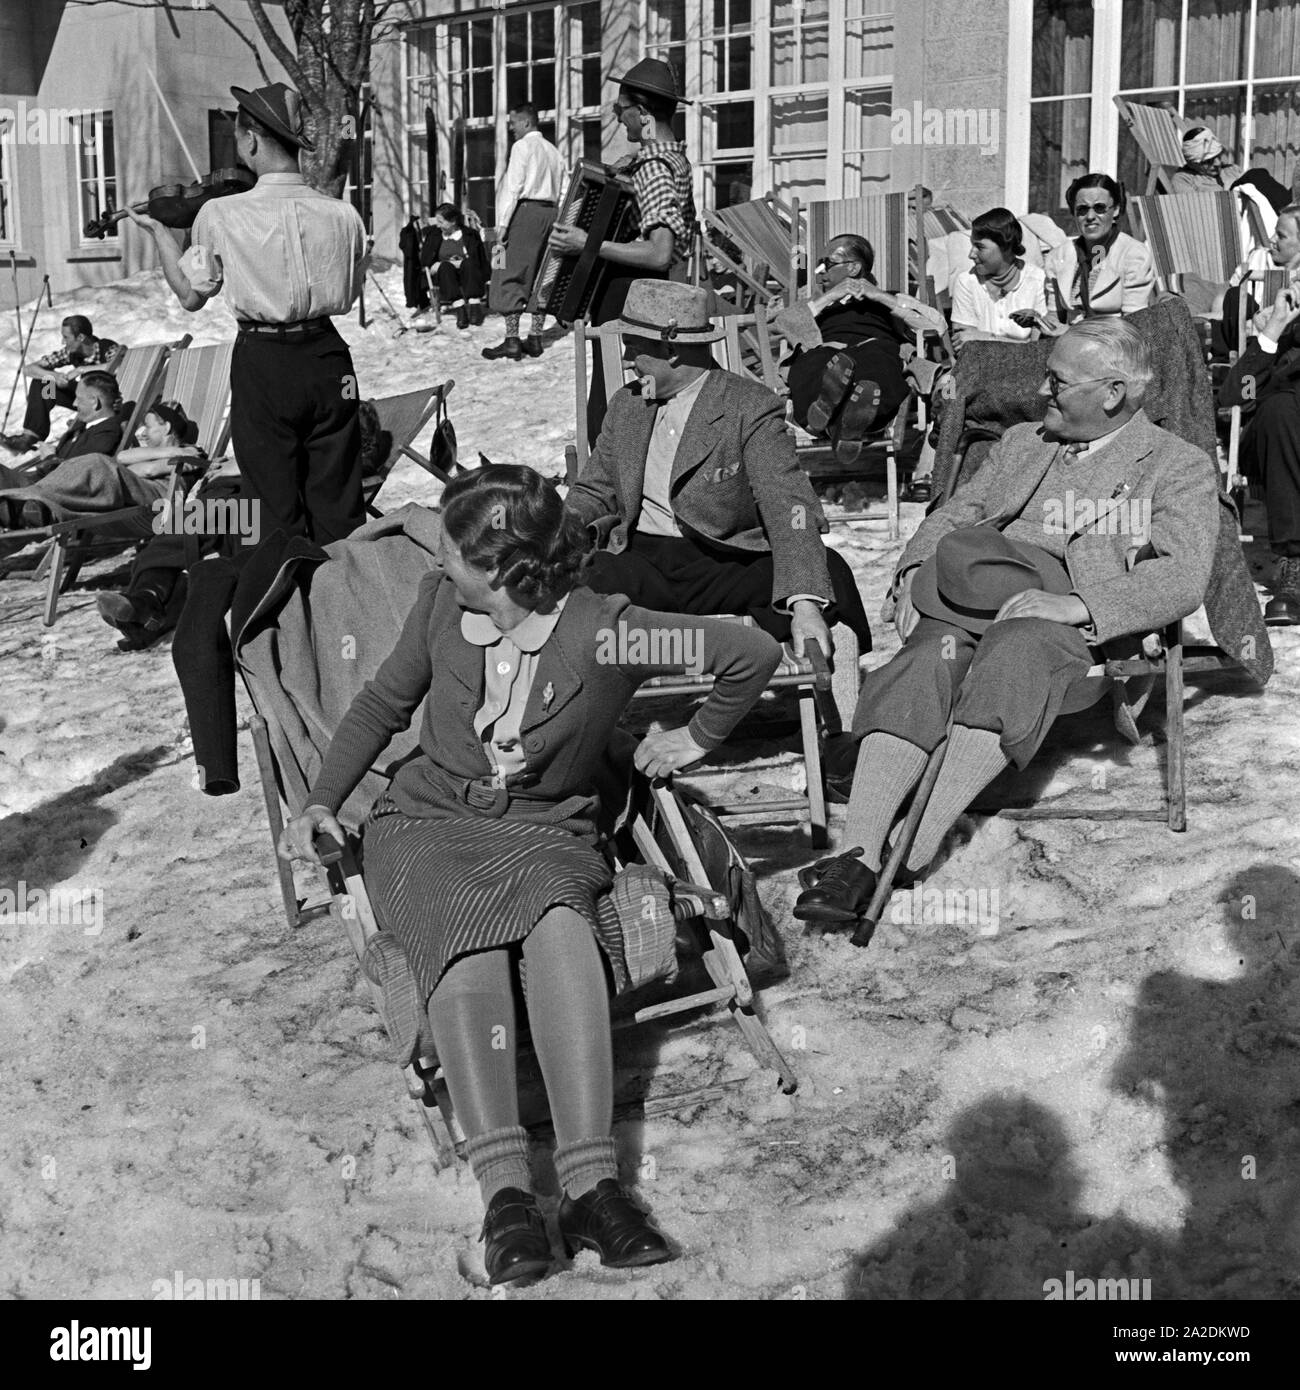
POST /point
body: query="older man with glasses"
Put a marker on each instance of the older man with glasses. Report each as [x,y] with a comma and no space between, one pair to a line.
[1012,590]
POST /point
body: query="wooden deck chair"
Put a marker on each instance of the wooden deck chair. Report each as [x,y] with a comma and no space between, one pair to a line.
[140,379]
[197,377]
[1192,234]
[940,221]
[285,761]
[1171,660]
[888,223]
[1159,135]
[766,231]
[403,418]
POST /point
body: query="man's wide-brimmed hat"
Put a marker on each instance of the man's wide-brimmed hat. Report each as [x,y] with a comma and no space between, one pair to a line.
[651,75]
[279,108]
[670,311]
[975,570]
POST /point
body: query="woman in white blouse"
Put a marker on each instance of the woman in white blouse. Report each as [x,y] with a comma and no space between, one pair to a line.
[1103,271]
[998,298]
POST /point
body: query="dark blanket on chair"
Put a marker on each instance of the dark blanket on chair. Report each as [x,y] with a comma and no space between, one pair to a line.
[996,386]
[88,483]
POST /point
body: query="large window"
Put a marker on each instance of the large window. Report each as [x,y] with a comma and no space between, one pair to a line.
[1231,65]
[96,166]
[464,75]
[793,96]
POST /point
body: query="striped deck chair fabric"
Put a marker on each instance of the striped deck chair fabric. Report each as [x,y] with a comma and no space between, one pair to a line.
[764,230]
[199,378]
[1192,234]
[139,378]
[940,221]
[1159,135]
[882,218]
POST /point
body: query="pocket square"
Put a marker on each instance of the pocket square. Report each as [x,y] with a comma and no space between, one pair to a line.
[726,471]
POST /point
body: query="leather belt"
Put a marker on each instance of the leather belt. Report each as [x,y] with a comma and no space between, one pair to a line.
[482,794]
[541,202]
[299,328]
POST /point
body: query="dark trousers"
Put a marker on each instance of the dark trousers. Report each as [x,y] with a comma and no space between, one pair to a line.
[294,429]
[872,361]
[42,397]
[205,666]
[677,575]
[1273,442]
[463,281]
[1013,681]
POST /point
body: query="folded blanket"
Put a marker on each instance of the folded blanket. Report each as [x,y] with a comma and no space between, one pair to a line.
[87,484]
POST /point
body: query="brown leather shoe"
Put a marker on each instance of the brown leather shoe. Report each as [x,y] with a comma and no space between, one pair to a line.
[607,1221]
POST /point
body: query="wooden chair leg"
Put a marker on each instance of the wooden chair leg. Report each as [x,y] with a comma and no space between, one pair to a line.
[902,846]
[812,762]
[57,557]
[1176,768]
[891,484]
[271,799]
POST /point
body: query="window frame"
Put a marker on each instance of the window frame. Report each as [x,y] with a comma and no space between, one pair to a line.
[102,180]
[9,232]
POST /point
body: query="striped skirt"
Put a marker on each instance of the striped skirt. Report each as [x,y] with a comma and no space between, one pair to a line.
[455,883]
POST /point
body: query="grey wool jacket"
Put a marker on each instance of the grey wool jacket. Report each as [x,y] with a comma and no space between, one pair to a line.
[1142,464]
[735,480]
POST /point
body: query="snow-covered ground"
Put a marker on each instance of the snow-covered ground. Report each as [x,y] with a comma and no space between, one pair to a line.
[1097,1076]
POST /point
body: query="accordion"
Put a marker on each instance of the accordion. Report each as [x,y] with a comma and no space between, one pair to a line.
[603,204]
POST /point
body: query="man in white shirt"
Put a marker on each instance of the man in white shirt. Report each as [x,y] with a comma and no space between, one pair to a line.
[288,257]
[526,206]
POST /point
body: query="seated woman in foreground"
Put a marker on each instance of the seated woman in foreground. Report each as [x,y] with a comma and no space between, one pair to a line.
[1001,297]
[483,855]
[1103,271]
[93,483]
[846,375]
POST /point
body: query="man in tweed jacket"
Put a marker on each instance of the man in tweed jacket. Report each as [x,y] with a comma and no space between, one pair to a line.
[694,490]
[1077,498]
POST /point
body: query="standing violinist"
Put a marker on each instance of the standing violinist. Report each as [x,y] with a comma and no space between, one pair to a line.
[289,257]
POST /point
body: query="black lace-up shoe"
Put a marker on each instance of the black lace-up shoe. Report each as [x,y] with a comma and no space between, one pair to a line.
[532,346]
[837,378]
[510,348]
[607,1221]
[515,1236]
[837,889]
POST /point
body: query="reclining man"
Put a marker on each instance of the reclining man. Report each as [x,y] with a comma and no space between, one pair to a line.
[1006,593]
[1267,375]
[54,379]
[96,430]
[694,488]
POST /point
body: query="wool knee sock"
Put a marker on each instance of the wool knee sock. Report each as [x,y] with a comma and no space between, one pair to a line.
[568,1016]
[499,1159]
[512,325]
[888,768]
[581,1165]
[538,322]
[973,760]
[472,1013]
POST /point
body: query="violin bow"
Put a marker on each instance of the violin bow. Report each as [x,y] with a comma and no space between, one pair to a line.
[153,77]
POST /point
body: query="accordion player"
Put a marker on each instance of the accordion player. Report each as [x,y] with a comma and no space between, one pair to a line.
[603,204]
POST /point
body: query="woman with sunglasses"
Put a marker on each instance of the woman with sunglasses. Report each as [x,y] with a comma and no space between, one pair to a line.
[846,374]
[483,857]
[1103,271]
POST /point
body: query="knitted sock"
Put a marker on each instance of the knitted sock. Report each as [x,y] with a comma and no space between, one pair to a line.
[538,321]
[888,768]
[582,1165]
[973,760]
[512,325]
[499,1159]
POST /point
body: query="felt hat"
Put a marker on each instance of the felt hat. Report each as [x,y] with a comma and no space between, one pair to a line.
[651,75]
[670,311]
[279,108]
[975,570]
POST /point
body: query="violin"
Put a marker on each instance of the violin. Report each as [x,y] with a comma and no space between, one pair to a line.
[176,204]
